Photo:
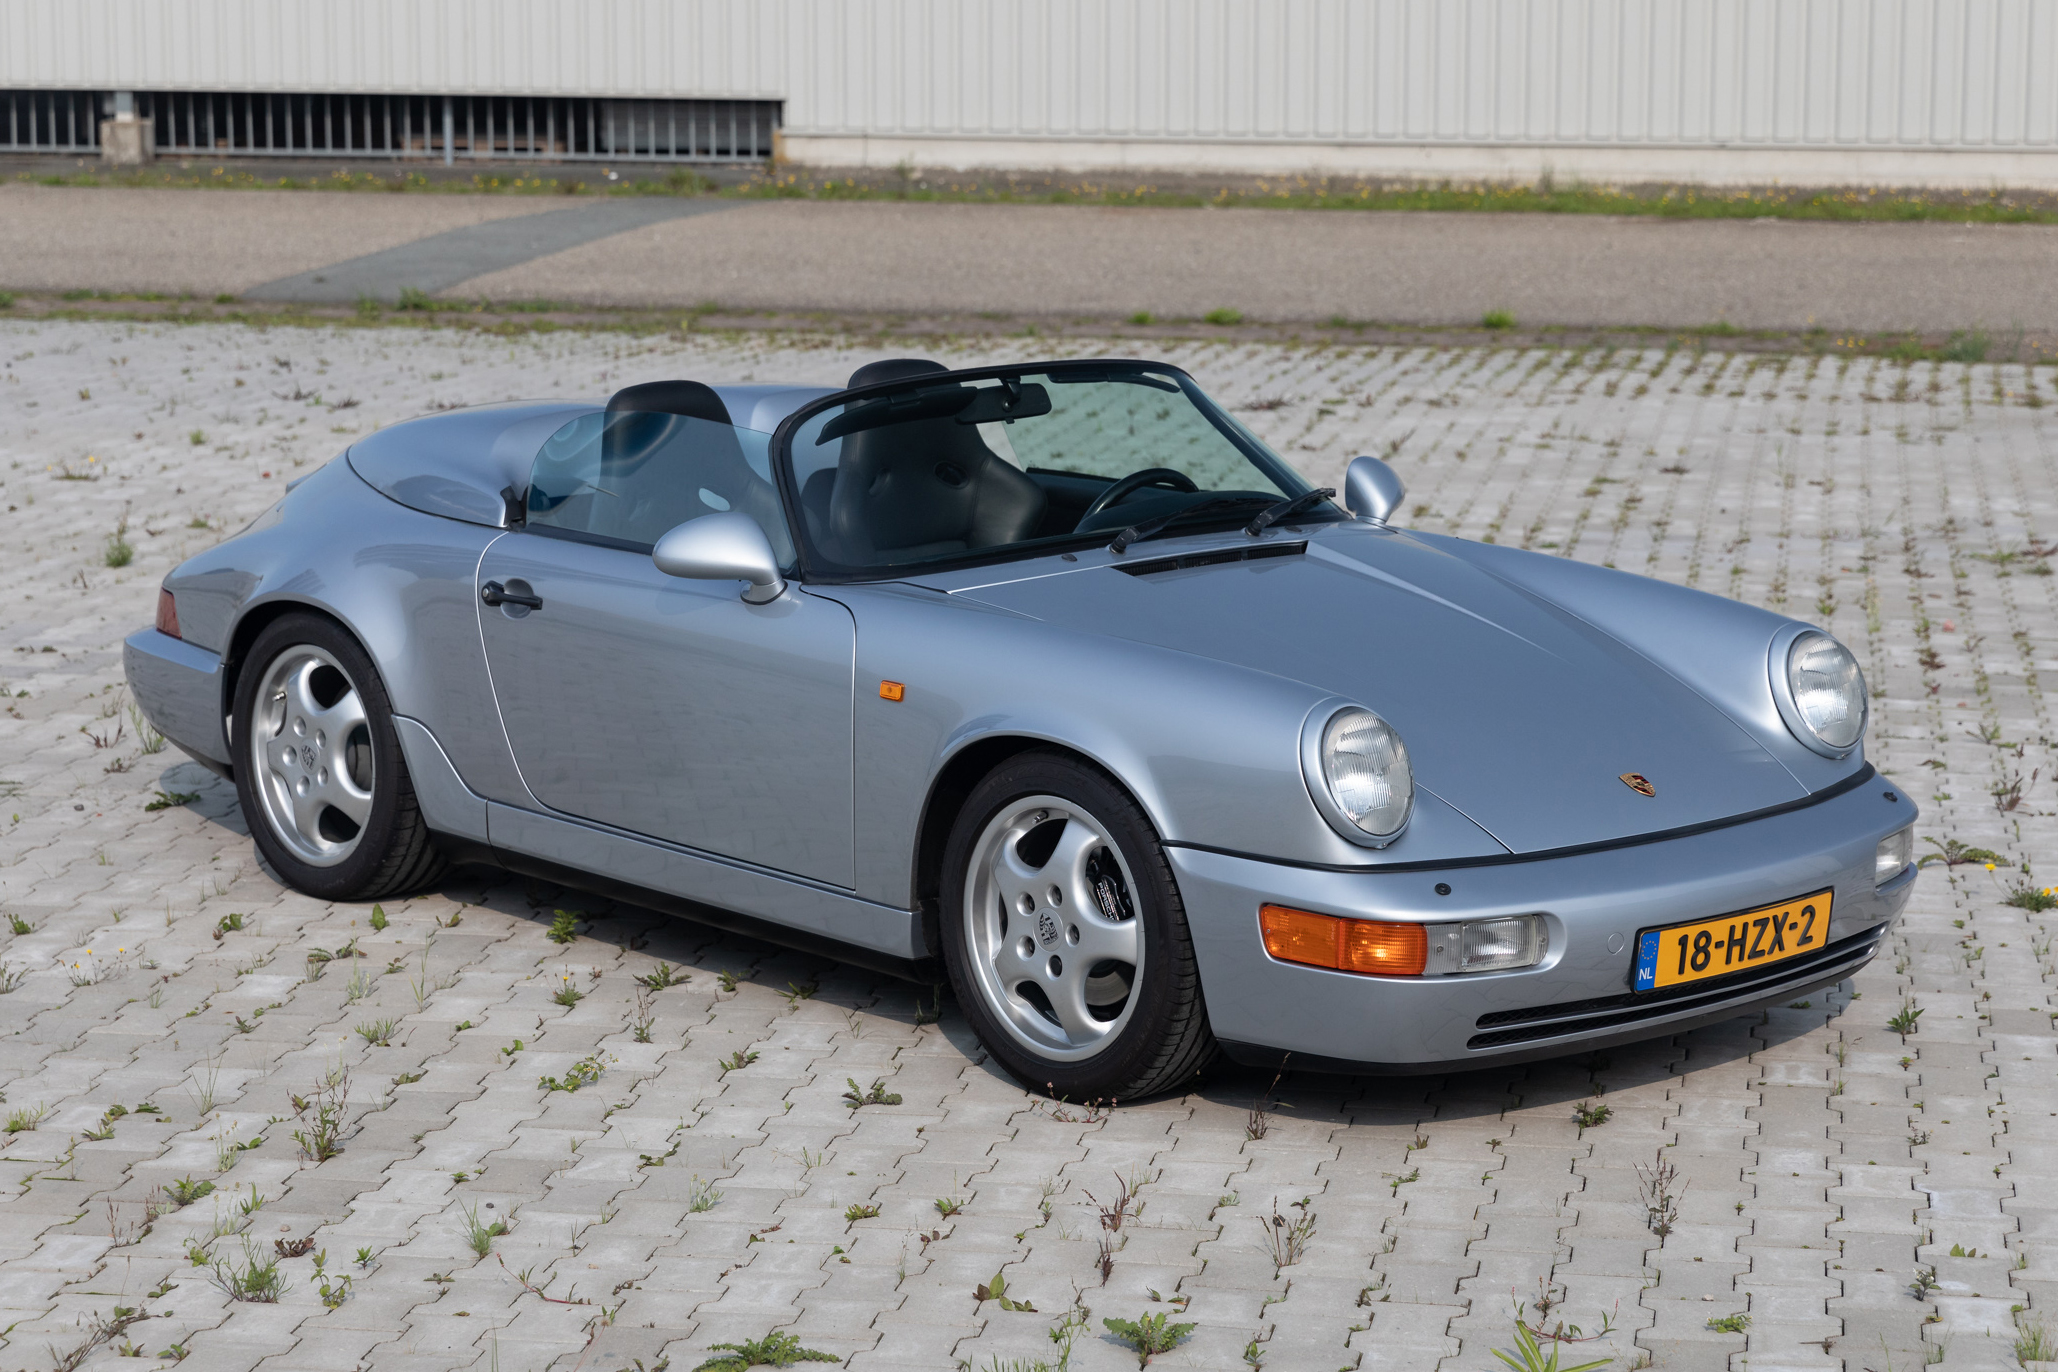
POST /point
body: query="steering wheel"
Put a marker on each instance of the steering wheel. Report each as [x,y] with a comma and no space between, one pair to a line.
[1136,481]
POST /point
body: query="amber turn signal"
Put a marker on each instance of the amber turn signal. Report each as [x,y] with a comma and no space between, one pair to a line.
[891,690]
[1369,946]
[167,613]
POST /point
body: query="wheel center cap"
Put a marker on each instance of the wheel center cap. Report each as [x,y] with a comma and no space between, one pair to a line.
[307,756]
[1046,929]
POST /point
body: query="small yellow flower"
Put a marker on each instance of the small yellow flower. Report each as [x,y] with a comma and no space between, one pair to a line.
[1990,866]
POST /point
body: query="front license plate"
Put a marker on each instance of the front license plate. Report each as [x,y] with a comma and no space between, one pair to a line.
[1730,943]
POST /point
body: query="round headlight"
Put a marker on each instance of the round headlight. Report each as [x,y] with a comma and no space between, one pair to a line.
[1828,692]
[1365,768]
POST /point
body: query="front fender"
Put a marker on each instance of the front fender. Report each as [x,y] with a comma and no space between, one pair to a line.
[1211,751]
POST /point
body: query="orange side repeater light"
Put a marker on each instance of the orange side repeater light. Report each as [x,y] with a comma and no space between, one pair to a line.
[1368,946]
[892,690]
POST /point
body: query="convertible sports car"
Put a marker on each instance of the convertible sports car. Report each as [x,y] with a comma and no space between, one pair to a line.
[1054,675]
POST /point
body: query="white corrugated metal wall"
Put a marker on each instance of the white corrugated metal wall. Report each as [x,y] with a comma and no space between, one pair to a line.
[1436,84]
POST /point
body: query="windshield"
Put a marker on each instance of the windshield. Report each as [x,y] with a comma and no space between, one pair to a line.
[1016,461]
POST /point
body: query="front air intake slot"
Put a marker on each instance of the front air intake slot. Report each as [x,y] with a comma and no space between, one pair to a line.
[1506,1027]
[1211,557]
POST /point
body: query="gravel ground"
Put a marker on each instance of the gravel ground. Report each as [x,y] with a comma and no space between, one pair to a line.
[1059,261]
[210,242]
[1823,1160]
[1313,265]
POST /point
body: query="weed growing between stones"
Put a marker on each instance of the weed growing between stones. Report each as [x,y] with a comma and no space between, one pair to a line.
[479,1236]
[1528,1355]
[1149,1335]
[583,1073]
[2034,1343]
[323,1113]
[776,1349]
[253,1276]
[1286,1240]
[1661,1200]
[856,1099]
[661,978]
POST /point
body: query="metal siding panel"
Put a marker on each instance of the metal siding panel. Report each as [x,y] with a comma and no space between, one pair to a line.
[2040,114]
[1665,117]
[1624,78]
[1947,117]
[1825,59]
[1822,73]
[1975,73]
[2002,103]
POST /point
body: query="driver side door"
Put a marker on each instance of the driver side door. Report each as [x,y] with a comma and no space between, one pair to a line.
[665,707]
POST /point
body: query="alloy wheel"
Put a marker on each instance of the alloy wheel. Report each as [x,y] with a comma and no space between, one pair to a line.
[312,744]
[1052,932]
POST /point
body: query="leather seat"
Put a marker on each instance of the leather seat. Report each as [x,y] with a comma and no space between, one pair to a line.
[924,488]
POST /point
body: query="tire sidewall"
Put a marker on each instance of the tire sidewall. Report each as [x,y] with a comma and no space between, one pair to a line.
[1129,1058]
[358,871]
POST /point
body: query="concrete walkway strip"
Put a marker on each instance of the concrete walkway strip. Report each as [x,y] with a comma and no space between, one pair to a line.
[443,260]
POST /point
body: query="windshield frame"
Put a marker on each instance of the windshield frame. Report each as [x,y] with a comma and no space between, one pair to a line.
[813,567]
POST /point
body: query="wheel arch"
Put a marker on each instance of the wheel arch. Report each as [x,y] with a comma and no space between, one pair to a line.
[948,791]
[253,622]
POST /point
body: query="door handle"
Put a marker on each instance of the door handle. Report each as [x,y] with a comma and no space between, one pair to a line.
[493,593]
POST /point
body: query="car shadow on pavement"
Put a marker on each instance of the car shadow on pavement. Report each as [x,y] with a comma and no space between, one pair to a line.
[1628,1075]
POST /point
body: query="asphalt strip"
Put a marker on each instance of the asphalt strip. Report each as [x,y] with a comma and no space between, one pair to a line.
[443,260]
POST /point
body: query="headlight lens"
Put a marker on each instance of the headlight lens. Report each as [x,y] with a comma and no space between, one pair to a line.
[1892,857]
[1828,689]
[1365,766]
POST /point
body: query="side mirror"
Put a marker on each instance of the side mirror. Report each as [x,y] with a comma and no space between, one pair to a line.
[1371,489]
[722,547]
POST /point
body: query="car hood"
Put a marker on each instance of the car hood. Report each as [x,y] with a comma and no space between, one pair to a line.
[1514,711]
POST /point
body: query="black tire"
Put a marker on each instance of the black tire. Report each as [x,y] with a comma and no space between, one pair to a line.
[390,851]
[1159,1036]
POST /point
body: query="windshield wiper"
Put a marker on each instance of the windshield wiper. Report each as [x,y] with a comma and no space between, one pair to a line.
[1286,507]
[1149,528]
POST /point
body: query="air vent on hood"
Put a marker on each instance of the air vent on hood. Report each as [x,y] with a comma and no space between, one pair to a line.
[1211,557]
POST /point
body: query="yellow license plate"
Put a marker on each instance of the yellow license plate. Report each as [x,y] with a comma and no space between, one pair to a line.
[1730,943]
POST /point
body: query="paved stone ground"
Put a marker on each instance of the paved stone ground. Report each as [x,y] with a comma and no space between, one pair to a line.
[1822,1160]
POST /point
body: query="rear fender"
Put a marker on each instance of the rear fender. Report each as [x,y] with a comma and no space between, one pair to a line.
[402,582]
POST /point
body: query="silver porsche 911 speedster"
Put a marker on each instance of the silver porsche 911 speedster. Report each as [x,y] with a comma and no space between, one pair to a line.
[1053,677]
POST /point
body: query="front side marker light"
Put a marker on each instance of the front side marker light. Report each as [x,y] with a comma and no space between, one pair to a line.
[1365,946]
[1892,857]
[167,613]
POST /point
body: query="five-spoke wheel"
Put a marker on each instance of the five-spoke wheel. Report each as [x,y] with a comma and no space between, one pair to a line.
[1051,927]
[324,786]
[314,750]
[1065,937]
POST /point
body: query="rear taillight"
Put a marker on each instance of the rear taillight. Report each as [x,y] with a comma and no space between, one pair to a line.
[167,613]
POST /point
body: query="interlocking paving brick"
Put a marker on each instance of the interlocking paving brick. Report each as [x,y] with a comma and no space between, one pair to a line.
[1824,1161]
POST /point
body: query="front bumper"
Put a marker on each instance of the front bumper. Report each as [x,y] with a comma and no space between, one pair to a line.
[179,688]
[1595,903]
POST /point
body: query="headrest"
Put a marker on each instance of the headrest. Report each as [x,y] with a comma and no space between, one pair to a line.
[893,369]
[689,398]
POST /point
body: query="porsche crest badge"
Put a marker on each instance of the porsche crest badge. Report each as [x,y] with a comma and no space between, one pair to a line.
[1638,783]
